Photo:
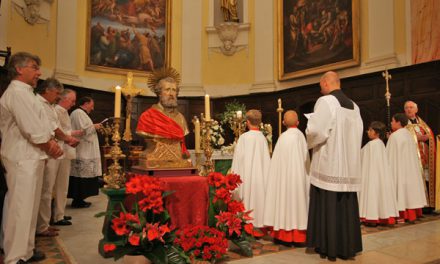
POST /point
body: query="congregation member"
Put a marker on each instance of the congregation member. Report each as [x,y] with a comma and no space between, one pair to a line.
[86,167]
[406,170]
[49,94]
[67,101]
[287,194]
[27,142]
[334,132]
[377,198]
[426,146]
[251,161]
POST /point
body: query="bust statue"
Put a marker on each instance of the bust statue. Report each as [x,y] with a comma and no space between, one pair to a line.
[163,126]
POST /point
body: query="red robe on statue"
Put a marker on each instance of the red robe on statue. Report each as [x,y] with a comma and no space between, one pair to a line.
[156,124]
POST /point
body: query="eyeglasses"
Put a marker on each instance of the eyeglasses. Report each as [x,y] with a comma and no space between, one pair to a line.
[35,67]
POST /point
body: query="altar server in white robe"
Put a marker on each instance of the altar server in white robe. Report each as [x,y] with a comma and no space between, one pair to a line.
[26,144]
[377,198]
[334,132]
[287,194]
[406,169]
[86,167]
[251,161]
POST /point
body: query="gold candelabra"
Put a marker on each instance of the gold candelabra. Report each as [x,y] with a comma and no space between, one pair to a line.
[115,177]
[106,130]
[237,126]
[280,118]
[207,148]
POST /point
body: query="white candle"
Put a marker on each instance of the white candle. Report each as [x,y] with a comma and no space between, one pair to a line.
[197,134]
[279,102]
[207,108]
[118,101]
[239,114]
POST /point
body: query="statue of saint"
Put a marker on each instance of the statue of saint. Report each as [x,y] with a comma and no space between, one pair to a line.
[229,9]
[163,126]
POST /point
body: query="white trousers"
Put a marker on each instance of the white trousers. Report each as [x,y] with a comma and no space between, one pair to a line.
[24,180]
[60,189]
[45,211]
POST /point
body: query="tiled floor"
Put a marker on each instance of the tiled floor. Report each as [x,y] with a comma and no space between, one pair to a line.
[418,243]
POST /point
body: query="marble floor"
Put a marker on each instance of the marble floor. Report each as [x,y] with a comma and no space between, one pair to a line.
[418,243]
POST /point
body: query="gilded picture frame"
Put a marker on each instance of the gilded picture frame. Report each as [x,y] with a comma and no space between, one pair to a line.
[315,36]
[128,35]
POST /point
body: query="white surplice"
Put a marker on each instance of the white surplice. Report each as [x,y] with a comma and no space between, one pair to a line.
[377,198]
[287,194]
[406,169]
[88,157]
[335,134]
[251,161]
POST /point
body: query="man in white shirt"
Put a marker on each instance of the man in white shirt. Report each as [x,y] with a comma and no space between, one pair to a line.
[26,144]
[67,101]
[49,93]
[334,132]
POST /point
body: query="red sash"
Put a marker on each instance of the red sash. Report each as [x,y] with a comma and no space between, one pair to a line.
[153,122]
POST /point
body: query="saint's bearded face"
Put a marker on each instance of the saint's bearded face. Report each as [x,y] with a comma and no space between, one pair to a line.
[168,95]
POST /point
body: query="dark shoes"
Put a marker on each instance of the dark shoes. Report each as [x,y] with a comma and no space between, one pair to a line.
[68,218]
[37,256]
[81,204]
[63,222]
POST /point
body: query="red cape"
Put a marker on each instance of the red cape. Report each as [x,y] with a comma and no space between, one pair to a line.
[153,122]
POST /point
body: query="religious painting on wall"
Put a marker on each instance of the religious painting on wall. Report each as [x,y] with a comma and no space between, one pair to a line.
[425,32]
[316,36]
[128,35]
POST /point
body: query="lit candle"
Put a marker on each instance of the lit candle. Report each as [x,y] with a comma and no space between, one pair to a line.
[197,134]
[207,108]
[279,102]
[118,101]
[239,114]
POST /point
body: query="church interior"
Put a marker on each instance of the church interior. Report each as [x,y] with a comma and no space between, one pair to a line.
[266,55]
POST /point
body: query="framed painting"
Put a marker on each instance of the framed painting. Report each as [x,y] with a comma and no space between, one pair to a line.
[128,35]
[316,36]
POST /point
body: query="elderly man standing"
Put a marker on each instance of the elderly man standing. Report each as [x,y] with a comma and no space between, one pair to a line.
[334,132]
[426,145]
[49,93]
[26,143]
[67,101]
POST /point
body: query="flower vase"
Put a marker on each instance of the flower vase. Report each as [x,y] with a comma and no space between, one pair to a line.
[195,261]
[136,259]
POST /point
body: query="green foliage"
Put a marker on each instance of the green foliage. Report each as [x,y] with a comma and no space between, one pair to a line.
[231,109]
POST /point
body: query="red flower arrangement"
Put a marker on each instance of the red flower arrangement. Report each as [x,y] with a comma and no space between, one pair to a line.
[202,243]
[145,229]
[227,214]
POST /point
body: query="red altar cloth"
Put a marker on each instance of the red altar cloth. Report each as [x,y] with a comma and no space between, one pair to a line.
[188,204]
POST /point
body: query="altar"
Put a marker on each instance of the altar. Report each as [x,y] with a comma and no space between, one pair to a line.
[222,160]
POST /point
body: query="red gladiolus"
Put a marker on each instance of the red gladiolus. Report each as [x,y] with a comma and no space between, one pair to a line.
[134,239]
[134,185]
[109,247]
[232,181]
[216,179]
[222,194]
[235,207]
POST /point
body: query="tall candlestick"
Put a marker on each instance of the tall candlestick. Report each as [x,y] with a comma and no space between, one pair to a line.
[207,108]
[197,134]
[118,101]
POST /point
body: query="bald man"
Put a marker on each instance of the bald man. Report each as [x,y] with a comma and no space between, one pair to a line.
[334,132]
[426,143]
[287,194]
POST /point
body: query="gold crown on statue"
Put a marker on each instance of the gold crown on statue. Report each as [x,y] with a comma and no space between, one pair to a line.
[154,77]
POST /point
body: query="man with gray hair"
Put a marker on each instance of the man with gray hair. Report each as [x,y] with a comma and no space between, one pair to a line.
[426,146]
[49,94]
[27,144]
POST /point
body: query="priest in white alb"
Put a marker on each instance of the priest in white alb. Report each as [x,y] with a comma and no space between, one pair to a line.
[287,194]
[334,132]
[406,169]
[377,198]
[251,161]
